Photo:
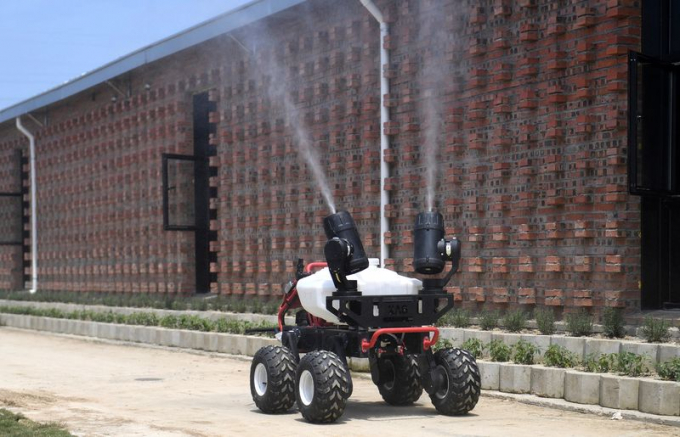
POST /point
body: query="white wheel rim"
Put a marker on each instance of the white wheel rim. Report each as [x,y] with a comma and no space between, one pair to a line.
[260,379]
[306,387]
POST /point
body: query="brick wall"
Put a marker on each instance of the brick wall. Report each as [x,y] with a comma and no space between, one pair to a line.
[527,104]
[532,147]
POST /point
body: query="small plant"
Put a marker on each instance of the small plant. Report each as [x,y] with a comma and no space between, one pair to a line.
[655,330]
[580,324]
[515,321]
[599,364]
[474,346]
[669,370]
[499,351]
[168,322]
[630,364]
[488,320]
[524,352]
[458,318]
[545,321]
[612,321]
[558,356]
[443,343]
[145,319]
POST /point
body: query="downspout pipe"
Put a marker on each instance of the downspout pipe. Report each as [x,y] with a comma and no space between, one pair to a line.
[34,218]
[384,118]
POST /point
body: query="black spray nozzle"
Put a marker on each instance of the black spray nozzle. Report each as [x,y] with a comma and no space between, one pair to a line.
[427,232]
[430,249]
[341,225]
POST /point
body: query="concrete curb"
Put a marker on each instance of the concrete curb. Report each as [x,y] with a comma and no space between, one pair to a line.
[581,346]
[650,396]
[212,315]
[606,390]
[207,341]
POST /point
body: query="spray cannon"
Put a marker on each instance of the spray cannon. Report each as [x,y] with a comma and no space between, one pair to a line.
[344,252]
[432,250]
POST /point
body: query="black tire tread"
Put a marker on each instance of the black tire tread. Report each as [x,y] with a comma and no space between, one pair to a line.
[281,365]
[332,386]
[407,387]
[464,382]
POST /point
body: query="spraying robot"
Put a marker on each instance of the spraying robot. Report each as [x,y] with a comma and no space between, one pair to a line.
[353,308]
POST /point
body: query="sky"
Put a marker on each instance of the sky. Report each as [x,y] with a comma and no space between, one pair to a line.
[44,43]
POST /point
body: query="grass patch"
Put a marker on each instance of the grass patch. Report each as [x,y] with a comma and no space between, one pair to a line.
[16,425]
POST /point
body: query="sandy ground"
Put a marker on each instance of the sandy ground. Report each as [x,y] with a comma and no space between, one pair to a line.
[104,389]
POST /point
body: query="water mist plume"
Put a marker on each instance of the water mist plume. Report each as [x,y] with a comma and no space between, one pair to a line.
[279,91]
[434,77]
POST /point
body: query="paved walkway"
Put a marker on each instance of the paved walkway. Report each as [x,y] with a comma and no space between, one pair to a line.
[103,389]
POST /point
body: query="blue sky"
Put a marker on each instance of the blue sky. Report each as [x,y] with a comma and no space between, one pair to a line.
[44,43]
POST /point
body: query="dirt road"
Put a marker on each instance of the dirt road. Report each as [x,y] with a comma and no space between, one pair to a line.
[100,389]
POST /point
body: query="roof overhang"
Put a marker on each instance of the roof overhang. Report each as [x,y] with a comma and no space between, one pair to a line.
[212,28]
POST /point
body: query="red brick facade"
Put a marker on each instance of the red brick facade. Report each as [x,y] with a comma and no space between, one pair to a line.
[532,175]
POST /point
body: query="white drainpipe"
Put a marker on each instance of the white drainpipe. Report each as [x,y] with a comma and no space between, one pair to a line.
[34,226]
[384,118]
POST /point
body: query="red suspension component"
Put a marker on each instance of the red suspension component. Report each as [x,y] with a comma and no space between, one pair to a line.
[427,341]
[292,301]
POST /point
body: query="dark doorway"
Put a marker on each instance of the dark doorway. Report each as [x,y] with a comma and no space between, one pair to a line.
[202,130]
[186,191]
[654,150]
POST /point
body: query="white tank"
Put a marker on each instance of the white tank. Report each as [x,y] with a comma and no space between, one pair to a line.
[313,290]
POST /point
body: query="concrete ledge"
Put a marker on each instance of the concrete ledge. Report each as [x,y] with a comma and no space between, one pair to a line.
[660,397]
[515,378]
[581,387]
[547,382]
[581,346]
[619,392]
[596,346]
[208,341]
[576,345]
[490,374]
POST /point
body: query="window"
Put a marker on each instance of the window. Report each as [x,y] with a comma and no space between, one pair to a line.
[179,192]
[654,113]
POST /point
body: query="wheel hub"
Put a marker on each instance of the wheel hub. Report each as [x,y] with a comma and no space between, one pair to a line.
[306,387]
[260,379]
[441,379]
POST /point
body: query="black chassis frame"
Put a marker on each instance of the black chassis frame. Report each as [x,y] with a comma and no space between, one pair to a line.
[364,315]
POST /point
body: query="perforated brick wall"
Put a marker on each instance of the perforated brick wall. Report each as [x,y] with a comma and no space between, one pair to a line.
[526,99]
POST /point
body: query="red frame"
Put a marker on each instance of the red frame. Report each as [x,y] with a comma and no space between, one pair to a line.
[427,341]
